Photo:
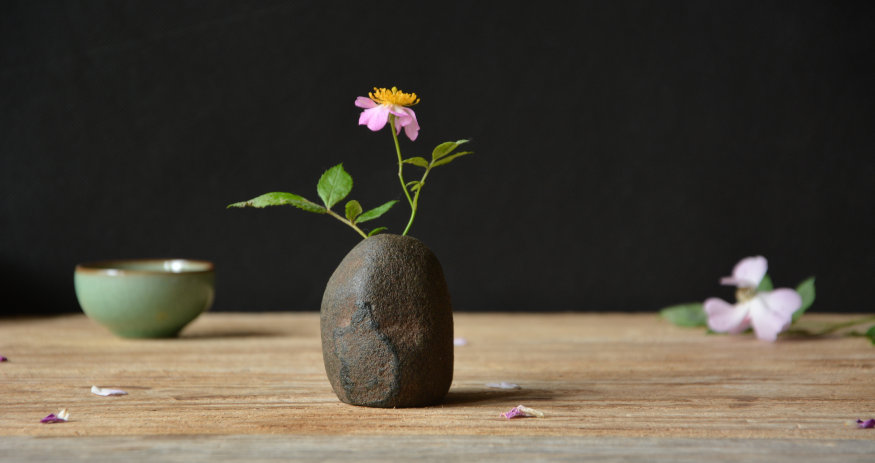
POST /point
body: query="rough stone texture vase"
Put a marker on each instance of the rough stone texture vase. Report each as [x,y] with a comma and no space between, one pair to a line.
[387,325]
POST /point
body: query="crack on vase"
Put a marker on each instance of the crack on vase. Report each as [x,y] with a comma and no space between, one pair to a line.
[368,360]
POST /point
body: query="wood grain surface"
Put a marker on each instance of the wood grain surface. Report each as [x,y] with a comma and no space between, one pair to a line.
[315,448]
[594,375]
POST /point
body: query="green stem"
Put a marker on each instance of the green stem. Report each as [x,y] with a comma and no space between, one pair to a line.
[416,197]
[401,175]
[412,216]
[360,232]
[833,328]
[839,326]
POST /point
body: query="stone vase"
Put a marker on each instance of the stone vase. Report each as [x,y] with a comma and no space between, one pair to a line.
[387,325]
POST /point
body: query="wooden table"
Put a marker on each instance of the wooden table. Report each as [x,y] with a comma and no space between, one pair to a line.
[234,387]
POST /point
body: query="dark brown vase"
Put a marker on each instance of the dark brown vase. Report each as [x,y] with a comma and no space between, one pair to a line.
[387,325]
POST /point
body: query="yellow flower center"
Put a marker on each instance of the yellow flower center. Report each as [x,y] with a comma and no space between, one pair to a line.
[389,97]
[745,294]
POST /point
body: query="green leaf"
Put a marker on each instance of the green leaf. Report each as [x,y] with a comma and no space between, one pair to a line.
[692,314]
[334,185]
[806,291]
[417,161]
[353,209]
[376,212]
[450,158]
[871,334]
[279,199]
[766,284]
[376,230]
[445,148]
[416,187]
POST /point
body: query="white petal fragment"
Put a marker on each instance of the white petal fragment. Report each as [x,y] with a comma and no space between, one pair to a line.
[460,342]
[530,411]
[107,392]
[503,385]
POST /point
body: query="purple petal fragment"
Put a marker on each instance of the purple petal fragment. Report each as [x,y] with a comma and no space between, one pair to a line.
[866,424]
[523,411]
[515,411]
[3,359]
[503,385]
[107,392]
[52,419]
[61,417]
[460,342]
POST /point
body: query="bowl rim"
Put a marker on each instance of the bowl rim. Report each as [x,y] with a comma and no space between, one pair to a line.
[105,267]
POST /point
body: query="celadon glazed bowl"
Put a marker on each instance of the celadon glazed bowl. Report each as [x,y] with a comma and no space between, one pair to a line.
[148,298]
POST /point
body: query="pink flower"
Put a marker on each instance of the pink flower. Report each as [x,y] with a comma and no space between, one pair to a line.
[382,103]
[769,312]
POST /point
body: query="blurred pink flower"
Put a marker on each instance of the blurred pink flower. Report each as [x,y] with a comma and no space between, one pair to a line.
[383,102]
[768,312]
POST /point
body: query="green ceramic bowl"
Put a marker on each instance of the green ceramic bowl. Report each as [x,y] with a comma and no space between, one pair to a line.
[149,298]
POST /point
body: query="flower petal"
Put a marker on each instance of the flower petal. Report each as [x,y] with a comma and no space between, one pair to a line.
[375,118]
[3,359]
[522,410]
[513,412]
[460,342]
[412,127]
[772,312]
[365,117]
[724,317]
[365,102]
[61,417]
[397,110]
[866,424]
[401,118]
[107,392]
[748,273]
[503,385]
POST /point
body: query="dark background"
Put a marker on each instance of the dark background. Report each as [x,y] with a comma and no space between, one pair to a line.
[628,154]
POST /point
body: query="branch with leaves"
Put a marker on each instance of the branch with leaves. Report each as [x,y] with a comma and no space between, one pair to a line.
[382,107]
[334,185]
[440,156]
